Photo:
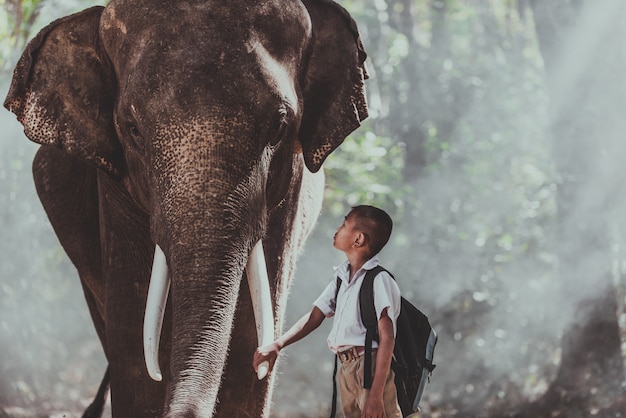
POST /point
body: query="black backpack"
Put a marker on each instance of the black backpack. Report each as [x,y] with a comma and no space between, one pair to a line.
[413,352]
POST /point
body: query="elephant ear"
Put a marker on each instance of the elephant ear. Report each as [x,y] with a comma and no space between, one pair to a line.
[333,91]
[62,91]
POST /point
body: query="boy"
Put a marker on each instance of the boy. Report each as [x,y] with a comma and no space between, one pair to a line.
[364,232]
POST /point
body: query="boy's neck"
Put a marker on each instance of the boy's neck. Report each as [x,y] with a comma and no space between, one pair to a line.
[356,260]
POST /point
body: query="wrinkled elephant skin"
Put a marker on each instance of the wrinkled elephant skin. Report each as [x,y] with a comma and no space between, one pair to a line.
[200,127]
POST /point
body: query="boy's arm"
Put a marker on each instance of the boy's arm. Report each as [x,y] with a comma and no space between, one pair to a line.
[305,325]
[374,405]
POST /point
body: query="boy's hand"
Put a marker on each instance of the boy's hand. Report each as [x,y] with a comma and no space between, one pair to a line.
[267,353]
[305,325]
[374,408]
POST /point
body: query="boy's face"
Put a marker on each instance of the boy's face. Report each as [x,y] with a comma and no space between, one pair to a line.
[346,234]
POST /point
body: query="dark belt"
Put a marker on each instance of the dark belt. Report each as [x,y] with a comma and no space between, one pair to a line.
[351,354]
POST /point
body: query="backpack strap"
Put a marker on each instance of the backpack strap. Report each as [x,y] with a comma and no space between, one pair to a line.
[333,403]
[369,319]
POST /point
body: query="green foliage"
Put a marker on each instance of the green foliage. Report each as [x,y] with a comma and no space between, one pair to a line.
[21,19]
[477,111]
[364,170]
[18,18]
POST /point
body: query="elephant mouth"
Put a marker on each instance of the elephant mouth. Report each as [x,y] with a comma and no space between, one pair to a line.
[258,282]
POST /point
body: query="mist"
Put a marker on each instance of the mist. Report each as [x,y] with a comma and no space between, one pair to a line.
[513,217]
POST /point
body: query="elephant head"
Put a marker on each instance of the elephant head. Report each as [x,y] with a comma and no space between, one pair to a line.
[194,127]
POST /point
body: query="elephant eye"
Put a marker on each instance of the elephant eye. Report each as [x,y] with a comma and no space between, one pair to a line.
[136,140]
[279,127]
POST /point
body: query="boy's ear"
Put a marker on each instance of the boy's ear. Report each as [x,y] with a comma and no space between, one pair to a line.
[360,240]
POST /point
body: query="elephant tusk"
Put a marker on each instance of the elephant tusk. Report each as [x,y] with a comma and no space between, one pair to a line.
[261,301]
[155,309]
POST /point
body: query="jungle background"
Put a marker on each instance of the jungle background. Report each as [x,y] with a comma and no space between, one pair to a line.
[497,142]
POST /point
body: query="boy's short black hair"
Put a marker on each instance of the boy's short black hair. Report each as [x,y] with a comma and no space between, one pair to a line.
[375,223]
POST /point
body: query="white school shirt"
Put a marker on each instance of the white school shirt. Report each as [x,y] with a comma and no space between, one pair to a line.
[348,329]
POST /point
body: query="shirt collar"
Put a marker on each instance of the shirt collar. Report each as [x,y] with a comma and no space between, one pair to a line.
[343,270]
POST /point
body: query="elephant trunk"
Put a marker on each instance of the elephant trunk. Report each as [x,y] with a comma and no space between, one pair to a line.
[258,283]
[204,296]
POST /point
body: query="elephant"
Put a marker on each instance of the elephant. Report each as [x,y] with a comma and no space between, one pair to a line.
[180,166]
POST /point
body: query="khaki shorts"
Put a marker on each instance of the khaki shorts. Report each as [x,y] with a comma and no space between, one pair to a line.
[353,396]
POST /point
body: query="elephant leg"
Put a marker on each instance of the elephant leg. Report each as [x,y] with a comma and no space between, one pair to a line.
[127,260]
[67,188]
